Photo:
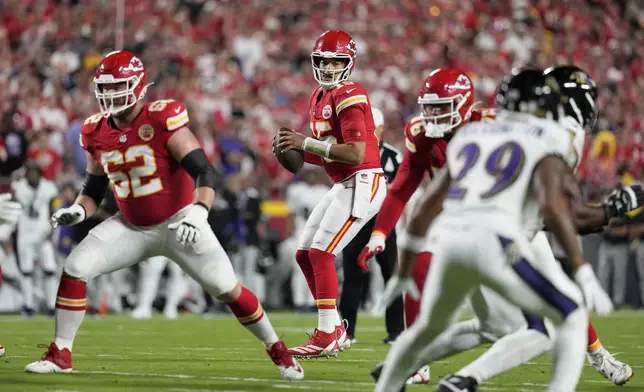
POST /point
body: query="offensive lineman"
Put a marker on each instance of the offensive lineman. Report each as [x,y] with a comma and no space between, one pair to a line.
[152,158]
[495,176]
[343,141]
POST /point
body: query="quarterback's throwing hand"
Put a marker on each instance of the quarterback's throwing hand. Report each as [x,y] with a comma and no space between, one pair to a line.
[594,295]
[397,286]
[189,228]
[68,216]
[9,210]
[289,140]
[375,245]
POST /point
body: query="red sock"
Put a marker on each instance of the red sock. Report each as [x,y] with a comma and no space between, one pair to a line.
[412,306]
[326,280]
[593,339]
[247,308]
[72,294]
[304,261]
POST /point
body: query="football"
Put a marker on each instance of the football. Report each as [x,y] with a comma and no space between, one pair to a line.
[291,160]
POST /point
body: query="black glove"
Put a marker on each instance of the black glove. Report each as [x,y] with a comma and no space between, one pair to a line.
[623,199]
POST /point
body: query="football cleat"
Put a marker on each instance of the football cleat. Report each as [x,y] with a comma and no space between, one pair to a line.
[2,351]
[420,377]
[141,314]
[344,340]
[320,344]
[289,368]
[375,373]
[605,364]
[54,360]
[454,383]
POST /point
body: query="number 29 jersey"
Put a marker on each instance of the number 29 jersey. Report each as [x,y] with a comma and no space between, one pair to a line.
[149,184]
[491,166]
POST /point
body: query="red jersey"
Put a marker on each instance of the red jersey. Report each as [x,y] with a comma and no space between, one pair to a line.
[343,115]
[422,155]
[149,184]
[48,159]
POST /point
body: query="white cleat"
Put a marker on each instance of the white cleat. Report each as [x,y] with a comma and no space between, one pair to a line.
[141,314]
[53,361]
[420,377]
[171,314]
[605,364]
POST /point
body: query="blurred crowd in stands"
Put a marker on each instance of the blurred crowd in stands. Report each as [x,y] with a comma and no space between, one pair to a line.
[243,69]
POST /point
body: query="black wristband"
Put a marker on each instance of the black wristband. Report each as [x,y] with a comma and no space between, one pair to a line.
[95,187]
[203,205]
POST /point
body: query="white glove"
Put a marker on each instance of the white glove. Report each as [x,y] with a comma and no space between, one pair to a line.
[10,211]
[396,286]
[594,295]
[68,216]
[190,227]
[375,245]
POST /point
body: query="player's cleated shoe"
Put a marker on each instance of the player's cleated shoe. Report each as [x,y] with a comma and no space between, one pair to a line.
[141,314]
[344,340]
[53,361]
[289,368]
[375,373]
[2,351]
[420,377]
[605,364]
[320,344]
[454,383]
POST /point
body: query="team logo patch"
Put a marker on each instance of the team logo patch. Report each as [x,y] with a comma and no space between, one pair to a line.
[462,83]
[326,112]
[123,138]
[146,132]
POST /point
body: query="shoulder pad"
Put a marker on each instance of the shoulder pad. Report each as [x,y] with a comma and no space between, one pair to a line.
[348,94]
[171,114]
[413,130]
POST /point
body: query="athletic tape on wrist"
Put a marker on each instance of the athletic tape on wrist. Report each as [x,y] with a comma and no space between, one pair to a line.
[412,243]
[317,147]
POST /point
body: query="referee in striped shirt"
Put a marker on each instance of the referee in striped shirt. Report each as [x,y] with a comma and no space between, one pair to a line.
[355,279]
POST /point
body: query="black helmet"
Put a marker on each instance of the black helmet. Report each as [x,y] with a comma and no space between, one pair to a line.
[530,91]
[578,94]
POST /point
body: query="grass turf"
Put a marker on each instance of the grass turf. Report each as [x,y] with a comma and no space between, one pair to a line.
[196,354]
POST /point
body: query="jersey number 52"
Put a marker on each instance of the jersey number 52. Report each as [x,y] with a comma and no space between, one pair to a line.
[132,182]
[504,164]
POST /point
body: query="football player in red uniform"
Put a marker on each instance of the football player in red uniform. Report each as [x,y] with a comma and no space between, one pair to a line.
[343,141]
[154,163]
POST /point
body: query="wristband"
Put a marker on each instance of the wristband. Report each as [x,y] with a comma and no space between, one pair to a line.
[317,147]
[412,243]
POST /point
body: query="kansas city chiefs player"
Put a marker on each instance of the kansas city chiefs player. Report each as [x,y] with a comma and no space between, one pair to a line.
[343,141]
[153,161]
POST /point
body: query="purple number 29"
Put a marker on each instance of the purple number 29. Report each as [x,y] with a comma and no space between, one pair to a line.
[504,164]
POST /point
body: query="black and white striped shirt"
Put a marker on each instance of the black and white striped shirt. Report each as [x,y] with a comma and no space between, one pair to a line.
[390,159]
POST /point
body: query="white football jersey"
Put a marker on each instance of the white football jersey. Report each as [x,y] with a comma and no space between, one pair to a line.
[301,199]
[491,166]
[35,202]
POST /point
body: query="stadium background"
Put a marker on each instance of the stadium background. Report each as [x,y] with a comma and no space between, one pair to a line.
[243,69]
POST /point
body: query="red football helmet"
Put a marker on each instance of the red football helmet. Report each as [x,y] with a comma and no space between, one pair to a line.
[445,98]
[333,44]
[124,70]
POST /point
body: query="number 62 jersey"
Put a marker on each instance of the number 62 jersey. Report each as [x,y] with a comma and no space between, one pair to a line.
[149,184]
[491,167]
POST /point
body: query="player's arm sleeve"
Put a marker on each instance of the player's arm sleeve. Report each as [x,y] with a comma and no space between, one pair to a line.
[410,175]
[196,163]
[351,111]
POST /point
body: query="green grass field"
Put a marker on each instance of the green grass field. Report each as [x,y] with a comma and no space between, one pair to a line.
[195,354]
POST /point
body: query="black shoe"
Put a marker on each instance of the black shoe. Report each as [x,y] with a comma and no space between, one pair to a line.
[454,383]
[375,373]
[390,339]
[28,312]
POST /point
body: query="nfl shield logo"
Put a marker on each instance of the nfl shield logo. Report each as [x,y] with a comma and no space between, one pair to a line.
[326,112]
[123,138]
[364,176]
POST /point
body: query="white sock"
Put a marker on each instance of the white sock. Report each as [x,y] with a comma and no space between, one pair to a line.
[459,337]
[67,324]
[507,353]
[569,351]
[328,319]
[264,331]
[27,286]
